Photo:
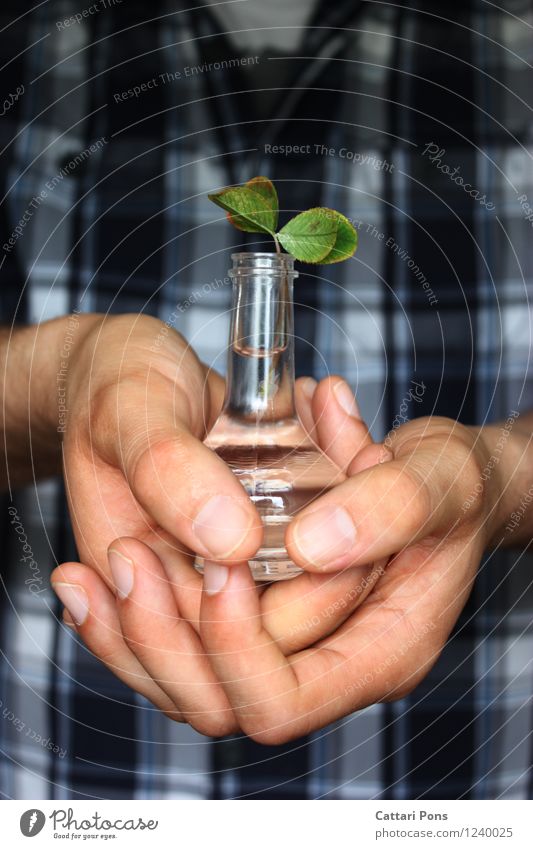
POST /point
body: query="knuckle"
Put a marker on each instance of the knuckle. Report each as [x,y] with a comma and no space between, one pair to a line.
[273,728]
[414,496]
[142,462]
[132,644]
[410,675]
[215,725]
[402,690]
[102,419]
[473,477]
[407,679]
[174,715]
[222,638]
[268,736]
[419,508]
[110,657]
[135,642]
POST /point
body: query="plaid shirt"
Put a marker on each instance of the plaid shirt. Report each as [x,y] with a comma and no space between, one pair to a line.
[127,119]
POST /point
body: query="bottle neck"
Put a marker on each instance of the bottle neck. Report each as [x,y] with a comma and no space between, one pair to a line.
[260,375]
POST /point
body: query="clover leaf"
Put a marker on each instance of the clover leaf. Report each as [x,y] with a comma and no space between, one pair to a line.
[319,235]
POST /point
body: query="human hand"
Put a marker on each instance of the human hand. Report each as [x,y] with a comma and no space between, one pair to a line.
[411,510]
[138,469]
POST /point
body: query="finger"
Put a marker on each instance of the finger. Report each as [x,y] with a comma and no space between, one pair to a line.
[340,430]
[254,673]
[164,643]
[68,620]
[371,455]
[296,613]
[300,612]
[374,514]
[303,396]
[385,648]
[90,609]
[217,391]
[392,641]
[274,698]
[185,582]
[147,428]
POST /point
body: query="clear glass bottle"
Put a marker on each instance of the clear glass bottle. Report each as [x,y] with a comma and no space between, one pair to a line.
[258,432]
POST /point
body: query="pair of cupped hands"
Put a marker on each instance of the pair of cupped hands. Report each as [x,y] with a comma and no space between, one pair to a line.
[389,556]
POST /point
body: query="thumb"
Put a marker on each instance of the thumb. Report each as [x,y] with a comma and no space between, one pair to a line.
[374,514]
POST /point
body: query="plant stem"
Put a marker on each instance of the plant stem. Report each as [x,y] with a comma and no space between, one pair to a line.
[278,249]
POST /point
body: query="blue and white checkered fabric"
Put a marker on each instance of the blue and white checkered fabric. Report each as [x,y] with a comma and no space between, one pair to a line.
[376,98]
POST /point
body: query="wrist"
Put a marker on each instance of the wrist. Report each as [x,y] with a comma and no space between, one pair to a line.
[33,395]
[57,348]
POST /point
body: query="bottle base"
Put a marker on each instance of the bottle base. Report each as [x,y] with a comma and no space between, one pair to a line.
[266,566]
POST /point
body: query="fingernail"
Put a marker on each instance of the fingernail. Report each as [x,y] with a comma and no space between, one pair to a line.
[121,571]
[75,600]
[215,577]
[345,397]
[67,619]
[385,455]
[221,525]
[308,385]
[324,535]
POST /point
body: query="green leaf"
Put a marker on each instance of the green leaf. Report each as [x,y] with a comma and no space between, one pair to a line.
[247,209]
[318,235]
[266,189]
[311,235]
[346,242]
